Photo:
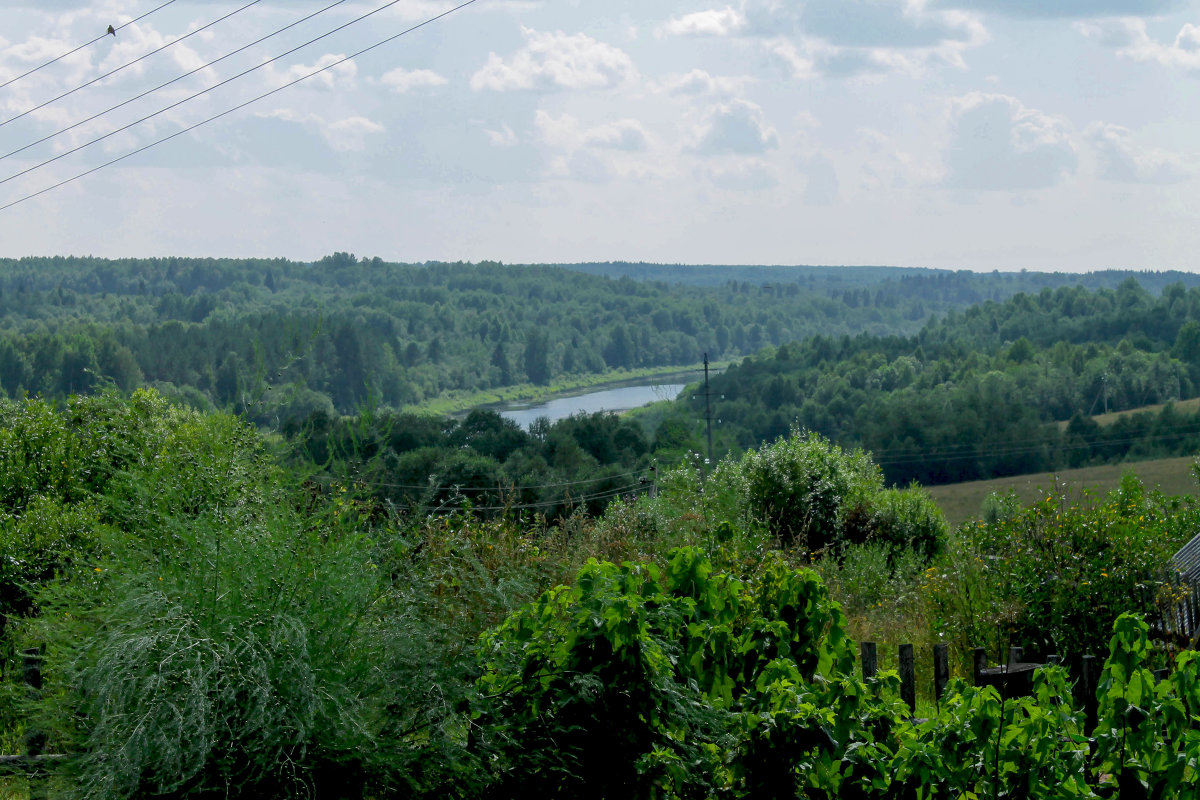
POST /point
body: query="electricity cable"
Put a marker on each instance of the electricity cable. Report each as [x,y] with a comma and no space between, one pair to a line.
[564,501]
[427,486]
[1011,451]
[173,80]
[85,44]
[227,111]
[111,72]
[953,449]
[632,489]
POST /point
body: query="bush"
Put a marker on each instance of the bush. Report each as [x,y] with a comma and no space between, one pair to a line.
[907,520]
[1054,576]
[216,640]
[684,682]
[802,488]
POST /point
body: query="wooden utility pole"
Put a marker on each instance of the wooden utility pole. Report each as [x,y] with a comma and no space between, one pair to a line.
[708,411]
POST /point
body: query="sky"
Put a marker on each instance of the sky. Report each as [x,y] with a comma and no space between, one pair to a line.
[960,134]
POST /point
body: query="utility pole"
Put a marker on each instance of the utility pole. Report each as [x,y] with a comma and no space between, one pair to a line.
[708,411]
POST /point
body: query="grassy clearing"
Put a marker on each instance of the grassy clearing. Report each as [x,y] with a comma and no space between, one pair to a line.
[962,501]
[1182,406]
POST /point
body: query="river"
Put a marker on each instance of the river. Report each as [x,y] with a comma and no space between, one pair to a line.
[619,398]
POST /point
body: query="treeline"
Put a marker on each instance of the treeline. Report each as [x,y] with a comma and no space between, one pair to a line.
[280,340]
[414,465]
[1000,389]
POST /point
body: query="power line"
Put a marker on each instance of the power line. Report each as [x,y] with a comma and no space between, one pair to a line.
[82,46]
[583,482]
[217,86]
[173,80]
[631,489]
[99,78]
[605,495]
[1025,450]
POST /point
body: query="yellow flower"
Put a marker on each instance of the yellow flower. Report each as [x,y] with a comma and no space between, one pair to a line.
[99,570]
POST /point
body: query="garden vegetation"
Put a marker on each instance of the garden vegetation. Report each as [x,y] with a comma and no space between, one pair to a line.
[215,623]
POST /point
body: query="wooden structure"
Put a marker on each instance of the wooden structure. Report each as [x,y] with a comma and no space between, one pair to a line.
[1183,619]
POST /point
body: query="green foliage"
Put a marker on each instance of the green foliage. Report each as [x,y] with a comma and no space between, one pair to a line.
[251,335]
[213,627]
[413,464]
[812,496]
[984,393]
[802,487]
[907,520]
[631,685]
[1054,576]
[681,682]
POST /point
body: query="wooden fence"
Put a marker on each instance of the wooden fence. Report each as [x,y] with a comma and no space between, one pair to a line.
[1012,679]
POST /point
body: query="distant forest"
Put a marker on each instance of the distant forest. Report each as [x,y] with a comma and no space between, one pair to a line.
[279,339]
[998,389]
[944,376]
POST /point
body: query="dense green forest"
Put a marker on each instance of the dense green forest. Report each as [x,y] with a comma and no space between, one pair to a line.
[278,339]
[998,389]
[944,376]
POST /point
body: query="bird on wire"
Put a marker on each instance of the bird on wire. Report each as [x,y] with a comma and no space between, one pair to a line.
[111,30]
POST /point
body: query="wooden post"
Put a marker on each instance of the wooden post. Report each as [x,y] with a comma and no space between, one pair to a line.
[870,664]
[908,677]
[1088,682]
[1015,655]
[980,665]
[941,670]
[1054,660]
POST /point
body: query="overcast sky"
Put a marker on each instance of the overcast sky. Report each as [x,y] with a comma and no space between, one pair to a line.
[980,134]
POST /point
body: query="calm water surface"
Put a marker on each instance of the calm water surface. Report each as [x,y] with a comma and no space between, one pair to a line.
[621,398]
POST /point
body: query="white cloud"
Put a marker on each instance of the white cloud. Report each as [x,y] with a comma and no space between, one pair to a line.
[1121,159]
[713,22]
[565,133]
[505,137]
[403,80]
[1132,40]
[849,38]
[1064,8]
[625,134]
[998,144]
[698,81]
[737,127]
[884,164]
[343,135]
[556,61]
[864,23]
[749,175]
[887,23]
[800,65]
[343,76]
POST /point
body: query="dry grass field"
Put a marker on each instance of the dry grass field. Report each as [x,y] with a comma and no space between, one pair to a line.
[962,501]
[1182,406]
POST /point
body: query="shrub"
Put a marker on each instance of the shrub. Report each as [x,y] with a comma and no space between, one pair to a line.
[802,487]
[1056,575]
[683,682]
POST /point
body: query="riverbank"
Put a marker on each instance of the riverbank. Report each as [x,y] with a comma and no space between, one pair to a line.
[458,403]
